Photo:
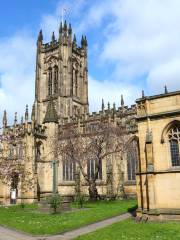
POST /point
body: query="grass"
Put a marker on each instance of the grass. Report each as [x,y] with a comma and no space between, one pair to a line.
[129,230]
[31,221]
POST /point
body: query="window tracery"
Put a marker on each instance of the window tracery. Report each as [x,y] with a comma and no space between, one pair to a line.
[132,158]
[68,170]
[174,140]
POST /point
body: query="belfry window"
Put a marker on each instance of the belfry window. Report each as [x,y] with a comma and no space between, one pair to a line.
[55,79]
[174,140]
[132,157]
[50,81]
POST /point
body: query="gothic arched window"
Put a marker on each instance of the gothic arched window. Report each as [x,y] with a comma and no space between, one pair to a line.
[50,81]
[91,169]
[55,79]
[68,170]
[132,157]
[174,140]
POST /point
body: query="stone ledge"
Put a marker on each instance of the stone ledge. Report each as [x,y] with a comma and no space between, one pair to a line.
[158,211]
[171,170]
[67,183]
[130,183]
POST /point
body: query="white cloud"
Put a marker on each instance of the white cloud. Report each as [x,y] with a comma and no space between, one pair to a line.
[69,9]
[143,39]
[17,63]
[140,39]
[110,92]
[17,67]
[167,73]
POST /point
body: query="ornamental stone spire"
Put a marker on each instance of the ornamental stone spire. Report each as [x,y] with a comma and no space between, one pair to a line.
[108,106]
[143,94]
[122,101]
[53,37]
[102,107]
[15,119]
[114,107]
[40,36]
[4,119]
[82,41]
[61,28]
[74,41]
[26,114]
[165,89]
[70,29]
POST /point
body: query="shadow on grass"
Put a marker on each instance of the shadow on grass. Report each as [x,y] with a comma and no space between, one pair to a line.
[132,210]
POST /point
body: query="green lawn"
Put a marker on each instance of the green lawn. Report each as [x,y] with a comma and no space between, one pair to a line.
[129,230]
[31,221]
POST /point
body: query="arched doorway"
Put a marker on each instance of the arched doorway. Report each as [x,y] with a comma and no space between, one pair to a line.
[14,188]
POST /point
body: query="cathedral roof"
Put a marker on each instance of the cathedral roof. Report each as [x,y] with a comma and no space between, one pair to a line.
[51,114]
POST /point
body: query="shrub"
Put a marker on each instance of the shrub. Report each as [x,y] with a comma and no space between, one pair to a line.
[22,205]
[55,202]
[80,199]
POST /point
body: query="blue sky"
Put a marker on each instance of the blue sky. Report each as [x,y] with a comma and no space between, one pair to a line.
[133,45]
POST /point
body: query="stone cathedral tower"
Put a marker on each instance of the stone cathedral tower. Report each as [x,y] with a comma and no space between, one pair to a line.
[61,75]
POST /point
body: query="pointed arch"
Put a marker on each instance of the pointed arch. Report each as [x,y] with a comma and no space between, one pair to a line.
[168,127]
[132,138]
[132,150]
[171,134]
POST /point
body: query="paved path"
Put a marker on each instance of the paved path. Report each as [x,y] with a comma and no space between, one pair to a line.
[8,234]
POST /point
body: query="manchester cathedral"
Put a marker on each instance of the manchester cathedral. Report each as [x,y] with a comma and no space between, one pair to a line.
[150,173]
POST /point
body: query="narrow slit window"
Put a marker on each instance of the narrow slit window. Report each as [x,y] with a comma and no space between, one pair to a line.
[50,81]
[56,79]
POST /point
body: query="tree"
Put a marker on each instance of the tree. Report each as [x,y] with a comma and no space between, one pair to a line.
[13,161]
[105,139]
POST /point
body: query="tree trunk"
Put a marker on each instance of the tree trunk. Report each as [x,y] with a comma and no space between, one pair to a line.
[93,193]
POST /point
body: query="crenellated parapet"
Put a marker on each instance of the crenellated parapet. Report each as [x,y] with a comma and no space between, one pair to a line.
[65,38]
[123,115]
[20,129]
